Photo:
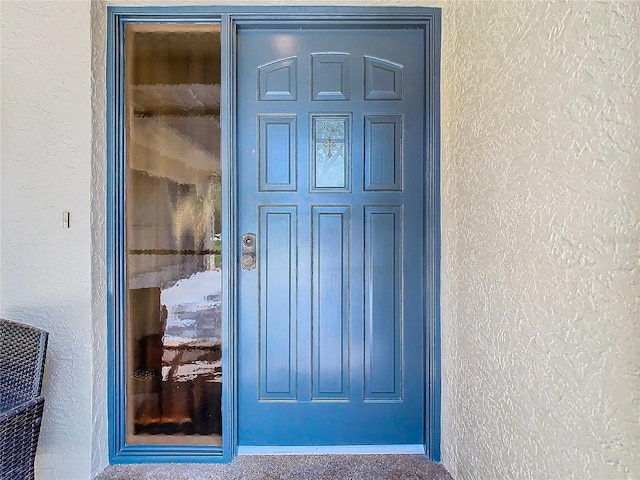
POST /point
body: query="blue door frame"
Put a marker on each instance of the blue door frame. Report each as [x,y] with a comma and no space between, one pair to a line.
[231,19]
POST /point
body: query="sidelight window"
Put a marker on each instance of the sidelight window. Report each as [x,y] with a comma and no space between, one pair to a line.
[173,299]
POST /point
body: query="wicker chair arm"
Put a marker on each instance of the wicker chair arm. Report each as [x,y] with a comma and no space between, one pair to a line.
[19,432]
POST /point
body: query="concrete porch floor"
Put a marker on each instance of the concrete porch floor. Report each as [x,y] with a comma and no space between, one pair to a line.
[289,467]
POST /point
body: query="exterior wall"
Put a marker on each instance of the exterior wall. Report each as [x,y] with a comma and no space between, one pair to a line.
[541,235]
[45,276]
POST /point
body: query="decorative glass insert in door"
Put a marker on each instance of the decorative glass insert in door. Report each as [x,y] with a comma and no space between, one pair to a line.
[173,242]
[331,169]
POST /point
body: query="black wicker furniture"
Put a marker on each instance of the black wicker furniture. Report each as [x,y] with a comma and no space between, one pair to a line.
[22,355]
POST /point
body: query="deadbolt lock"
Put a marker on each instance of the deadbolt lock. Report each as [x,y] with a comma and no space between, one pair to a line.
[249,241]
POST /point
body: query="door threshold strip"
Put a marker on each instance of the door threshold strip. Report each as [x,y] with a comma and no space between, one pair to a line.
[331,449]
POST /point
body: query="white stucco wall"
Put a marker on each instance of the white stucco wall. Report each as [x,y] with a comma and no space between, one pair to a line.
[541,239]
[45,276]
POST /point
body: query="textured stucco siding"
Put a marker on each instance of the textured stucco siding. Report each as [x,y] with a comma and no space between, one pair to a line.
[540,231]
[541,238]
[45,274]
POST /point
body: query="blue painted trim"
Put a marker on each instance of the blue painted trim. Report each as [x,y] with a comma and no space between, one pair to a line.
[229,380]
[110,247]
[280,12]
[119,452]
[231,19]
[417,449]
[231,182]
[432,238]
[115,229]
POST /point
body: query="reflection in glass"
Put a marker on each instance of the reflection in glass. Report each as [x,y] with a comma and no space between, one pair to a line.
[329,152]
[173,224]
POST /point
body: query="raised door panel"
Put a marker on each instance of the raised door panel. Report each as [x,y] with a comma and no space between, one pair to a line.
[277,153]
[382,303]
[277,244]
[383,152]
[330,76]
[278,80]
[383,79]
[330,302]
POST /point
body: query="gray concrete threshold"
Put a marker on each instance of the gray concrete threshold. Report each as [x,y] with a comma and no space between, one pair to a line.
[289,467]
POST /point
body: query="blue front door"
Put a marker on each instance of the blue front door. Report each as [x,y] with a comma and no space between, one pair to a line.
[330,154]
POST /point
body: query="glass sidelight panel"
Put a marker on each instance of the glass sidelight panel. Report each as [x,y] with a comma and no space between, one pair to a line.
[173,242]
